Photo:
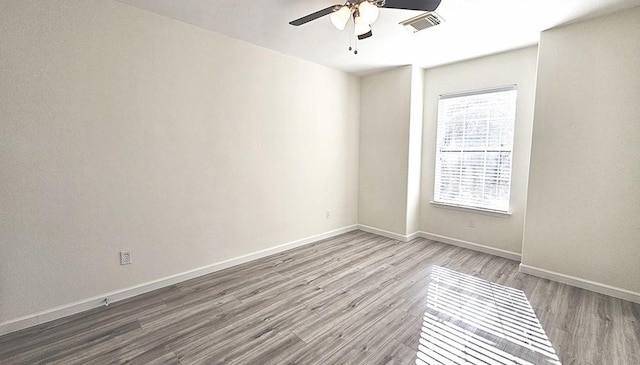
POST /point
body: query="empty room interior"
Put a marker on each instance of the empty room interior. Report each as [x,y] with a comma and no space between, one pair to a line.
[303,182]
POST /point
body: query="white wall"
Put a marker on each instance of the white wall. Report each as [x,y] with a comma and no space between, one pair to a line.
[583,210]
[122,129]
[384,148]
[414,167]
[497,232]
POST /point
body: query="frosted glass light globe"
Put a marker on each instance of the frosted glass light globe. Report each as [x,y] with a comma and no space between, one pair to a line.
[361,27]
[341,17]
[368,12]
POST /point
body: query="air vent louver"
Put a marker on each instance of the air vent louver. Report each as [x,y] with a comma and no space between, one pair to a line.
[422,22]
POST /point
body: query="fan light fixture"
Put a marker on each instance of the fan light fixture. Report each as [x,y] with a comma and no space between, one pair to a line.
[361,27]
[341,17]
[368,12]
[364,14]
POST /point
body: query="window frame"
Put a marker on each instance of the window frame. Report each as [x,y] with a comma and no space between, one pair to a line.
[438,150]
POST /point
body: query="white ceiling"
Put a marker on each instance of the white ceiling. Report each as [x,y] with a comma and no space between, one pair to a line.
[473,28]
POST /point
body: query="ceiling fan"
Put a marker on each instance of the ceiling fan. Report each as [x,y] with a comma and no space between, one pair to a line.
[364,13]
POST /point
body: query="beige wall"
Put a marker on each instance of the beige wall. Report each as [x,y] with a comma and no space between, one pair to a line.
[499,232]
[583,210]
[121,129]
[384,148]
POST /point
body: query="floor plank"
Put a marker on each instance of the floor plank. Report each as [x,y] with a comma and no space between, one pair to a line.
[356,298]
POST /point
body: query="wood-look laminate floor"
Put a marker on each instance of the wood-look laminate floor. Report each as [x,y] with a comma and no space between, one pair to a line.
[353,299]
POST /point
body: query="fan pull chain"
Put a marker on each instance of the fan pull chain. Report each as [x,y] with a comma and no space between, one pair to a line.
[350,34]
[353,39]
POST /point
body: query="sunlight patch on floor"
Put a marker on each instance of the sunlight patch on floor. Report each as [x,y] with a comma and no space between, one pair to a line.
[473,321]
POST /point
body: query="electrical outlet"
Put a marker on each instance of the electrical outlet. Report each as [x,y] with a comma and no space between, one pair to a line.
[471,224]
[125,257]
[328,214]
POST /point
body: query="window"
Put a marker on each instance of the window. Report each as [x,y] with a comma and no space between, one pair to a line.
[474,148]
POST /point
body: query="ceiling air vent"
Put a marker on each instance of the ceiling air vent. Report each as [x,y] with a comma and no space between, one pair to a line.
[422,22]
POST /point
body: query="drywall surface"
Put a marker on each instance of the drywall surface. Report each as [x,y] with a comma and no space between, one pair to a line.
[515,67]
[583,209]
[124,130]
[415,150]
[384,147]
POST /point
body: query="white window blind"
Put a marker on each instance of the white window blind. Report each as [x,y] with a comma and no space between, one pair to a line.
[474,148]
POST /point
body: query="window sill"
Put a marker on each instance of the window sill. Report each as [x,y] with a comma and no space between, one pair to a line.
[495,213]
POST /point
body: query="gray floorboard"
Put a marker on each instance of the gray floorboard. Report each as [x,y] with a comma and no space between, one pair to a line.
[353,299]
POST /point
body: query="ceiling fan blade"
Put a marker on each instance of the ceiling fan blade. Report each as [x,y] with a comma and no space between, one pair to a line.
[316,15]
[365,36]
[423,5]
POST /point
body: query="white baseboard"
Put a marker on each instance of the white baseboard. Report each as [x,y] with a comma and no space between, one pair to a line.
[413,236]
[471,245]
[114,296]
[436,237]
[383,233]
[582,283]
